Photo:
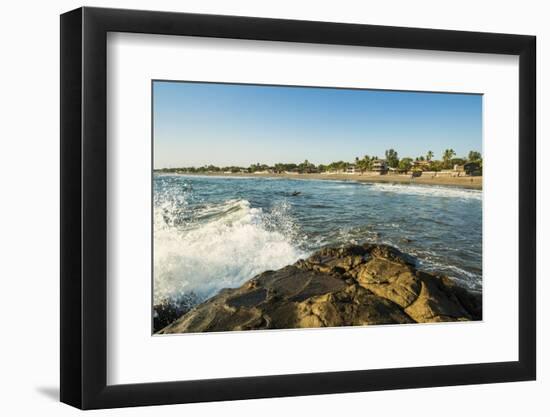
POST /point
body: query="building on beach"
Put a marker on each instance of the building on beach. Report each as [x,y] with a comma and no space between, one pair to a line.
[351,169]
[380,166]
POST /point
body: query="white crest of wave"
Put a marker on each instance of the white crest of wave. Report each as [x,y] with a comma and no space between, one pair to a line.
[229,244]
[429,191]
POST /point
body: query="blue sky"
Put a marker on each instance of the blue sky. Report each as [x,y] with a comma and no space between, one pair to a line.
[230,124]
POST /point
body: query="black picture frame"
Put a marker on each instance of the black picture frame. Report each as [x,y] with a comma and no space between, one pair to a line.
[84,207]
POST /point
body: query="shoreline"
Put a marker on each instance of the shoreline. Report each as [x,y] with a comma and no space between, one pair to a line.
[474,183]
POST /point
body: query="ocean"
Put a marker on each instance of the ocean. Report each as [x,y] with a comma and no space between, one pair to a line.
[218,232]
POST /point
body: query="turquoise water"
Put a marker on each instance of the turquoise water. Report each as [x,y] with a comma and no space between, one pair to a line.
[217,232]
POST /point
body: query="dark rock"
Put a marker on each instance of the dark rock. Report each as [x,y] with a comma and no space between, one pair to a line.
[349,286]
[168,310]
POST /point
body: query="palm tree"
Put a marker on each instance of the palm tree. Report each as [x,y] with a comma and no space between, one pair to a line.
[474,156]
[367,161]
[392,158]
[447,156]
[363,164]
[359,164]
[429,155]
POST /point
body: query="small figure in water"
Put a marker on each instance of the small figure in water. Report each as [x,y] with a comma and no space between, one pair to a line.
[295,193]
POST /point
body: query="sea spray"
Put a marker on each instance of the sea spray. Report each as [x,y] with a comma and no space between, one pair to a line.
[222,246]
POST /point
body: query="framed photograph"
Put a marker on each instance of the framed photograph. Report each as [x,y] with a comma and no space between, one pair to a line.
[256,208]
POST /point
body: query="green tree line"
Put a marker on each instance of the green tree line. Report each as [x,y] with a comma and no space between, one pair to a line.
[423,162]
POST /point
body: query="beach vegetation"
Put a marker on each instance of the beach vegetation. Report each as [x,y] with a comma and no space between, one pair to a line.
[447,157]
[338,166]
[392,159]
[365,163]
[435,166]
[474,156]
[458,161]
[359,165]
[405,164]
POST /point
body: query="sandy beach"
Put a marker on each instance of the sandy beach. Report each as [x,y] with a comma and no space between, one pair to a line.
[463,182]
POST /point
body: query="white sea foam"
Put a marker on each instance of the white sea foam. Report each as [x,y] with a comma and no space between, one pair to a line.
[428,190]
[220,246]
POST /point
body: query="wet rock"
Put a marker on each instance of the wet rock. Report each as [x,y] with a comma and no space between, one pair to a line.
[168,310]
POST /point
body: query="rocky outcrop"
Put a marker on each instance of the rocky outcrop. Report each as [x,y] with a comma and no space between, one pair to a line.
[167,310]
[351,286]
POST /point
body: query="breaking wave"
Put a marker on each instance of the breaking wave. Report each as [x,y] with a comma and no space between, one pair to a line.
[428,191]
[200,249]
